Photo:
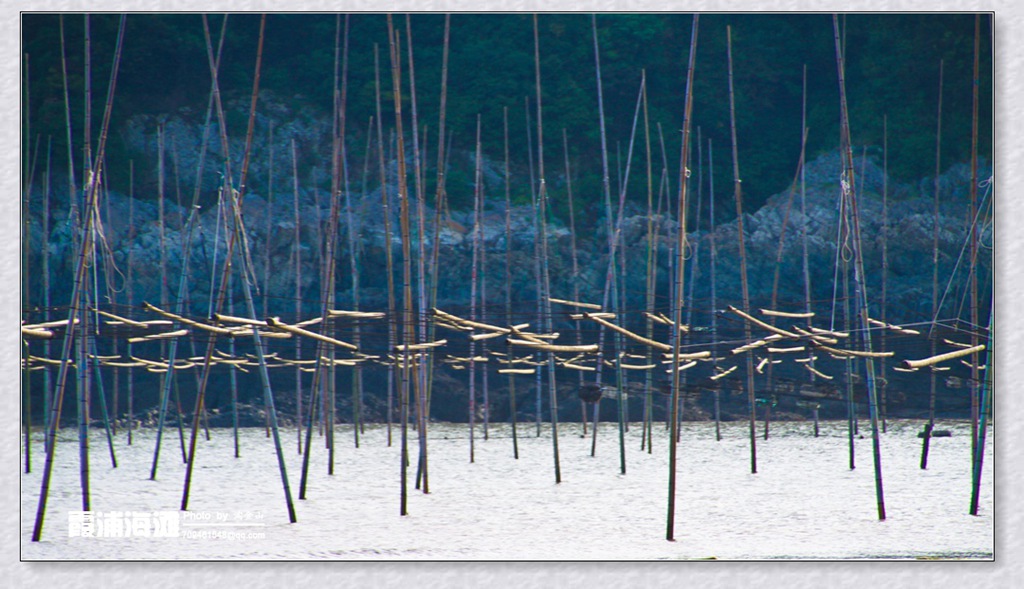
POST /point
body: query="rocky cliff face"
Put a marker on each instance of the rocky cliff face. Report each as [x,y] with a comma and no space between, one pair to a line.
[131,234]
[285,269]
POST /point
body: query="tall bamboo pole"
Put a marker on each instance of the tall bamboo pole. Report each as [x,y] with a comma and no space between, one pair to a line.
[247,269]
[606,188]
[984,404]
[297,261]
[474,274]
[183,279]
[974,234]
[508,289]
[47,381]
[536,257]
[575,264]
[650,288]
[422,418]
[883,381]
[409,320]
[129,292]
[387,238]
[677,302]
[738,192]
[859,276]
[26,383]
[935,277]
[714,292]
[82,366]
[439,199]
[546,295]
[75,300]
[806,222]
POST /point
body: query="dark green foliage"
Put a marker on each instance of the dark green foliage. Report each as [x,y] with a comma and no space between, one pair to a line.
[892,69]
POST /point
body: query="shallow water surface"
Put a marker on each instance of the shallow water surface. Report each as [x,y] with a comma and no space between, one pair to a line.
[803,503]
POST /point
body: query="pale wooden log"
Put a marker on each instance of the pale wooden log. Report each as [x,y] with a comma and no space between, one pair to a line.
[762,324]
[576,304]
[629,334]
[276,324]
[942,357]
[771,313]
[723,373]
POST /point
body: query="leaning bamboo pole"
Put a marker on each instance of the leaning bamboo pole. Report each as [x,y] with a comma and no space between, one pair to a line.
[247,270]
[606,190]
[860,276]
[438,207]
[72,190]
[76,292]
[677,302]
[737,190]
[183,278]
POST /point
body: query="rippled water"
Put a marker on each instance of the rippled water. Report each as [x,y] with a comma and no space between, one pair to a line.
[804,502]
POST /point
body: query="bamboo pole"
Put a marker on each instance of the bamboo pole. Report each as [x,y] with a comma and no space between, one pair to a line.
[508,289]
[974,234]
[387,238]
[884,409]
[743,255]
[694,256]
[935,277]
[984,403]
[76,293]
[129,293]
[678,300]
[714,293]
[575,262]
[47,379]
[297,261]
[247,269]
[422,416]
[474,273]
[542,197]
[409,324]
[610,285]
[26,384]
[538,383]
[806,221]
[438,206]
[83,373]
[859,277]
